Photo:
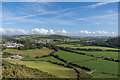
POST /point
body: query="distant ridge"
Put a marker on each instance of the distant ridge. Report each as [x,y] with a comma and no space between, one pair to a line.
[37,36]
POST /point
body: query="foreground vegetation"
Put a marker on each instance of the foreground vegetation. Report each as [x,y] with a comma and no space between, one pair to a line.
[47,67]
[21,71]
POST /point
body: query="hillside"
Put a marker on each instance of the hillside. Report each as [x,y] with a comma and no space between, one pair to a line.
[21,71]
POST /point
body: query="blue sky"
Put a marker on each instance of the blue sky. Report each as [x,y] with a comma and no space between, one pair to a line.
[67,18]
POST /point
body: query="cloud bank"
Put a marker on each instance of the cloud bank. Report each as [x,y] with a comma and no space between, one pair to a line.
[49,32]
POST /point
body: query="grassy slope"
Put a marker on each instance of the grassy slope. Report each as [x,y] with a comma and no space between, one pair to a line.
[19,71]
[31,53]
[53,69]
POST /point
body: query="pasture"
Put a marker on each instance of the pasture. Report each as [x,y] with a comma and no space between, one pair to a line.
[100,75]
[96,47]
[101,53]
[102,66]
[72,57]
[93,63]
[49,58]
[30,53]
[87,47]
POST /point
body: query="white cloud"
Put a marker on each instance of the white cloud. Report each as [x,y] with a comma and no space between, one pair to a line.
[113,32]
[39,31]
[2,30]
[96,32]
[62,32]
[45,31]
[52,32]
[12,31]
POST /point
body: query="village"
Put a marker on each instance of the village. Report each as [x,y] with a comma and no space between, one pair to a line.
[10,45]
[45,41]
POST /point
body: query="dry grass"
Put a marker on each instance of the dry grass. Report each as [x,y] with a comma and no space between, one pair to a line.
[31,53]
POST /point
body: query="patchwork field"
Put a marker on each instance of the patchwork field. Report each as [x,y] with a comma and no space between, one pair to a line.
[59,71]
[70,60]
[30,53]
[100,66]
[73,57]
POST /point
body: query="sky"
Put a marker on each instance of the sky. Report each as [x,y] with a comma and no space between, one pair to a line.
[64,18]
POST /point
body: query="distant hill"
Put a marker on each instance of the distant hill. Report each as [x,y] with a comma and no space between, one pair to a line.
[58,36]
[35,36]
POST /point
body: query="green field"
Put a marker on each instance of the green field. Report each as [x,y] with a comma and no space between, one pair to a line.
[73,57]
[96,47]
[30,53]
[49,58]
[101,53]
[95,64]
[87,47]
[102,66]
[59,71]
[100,75]
[73,40]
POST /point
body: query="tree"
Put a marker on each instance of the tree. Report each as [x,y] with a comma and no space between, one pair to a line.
[32,47]
[21,48]
[40,46]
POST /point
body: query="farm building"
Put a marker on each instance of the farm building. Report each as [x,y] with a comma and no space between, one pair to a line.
[16,57]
